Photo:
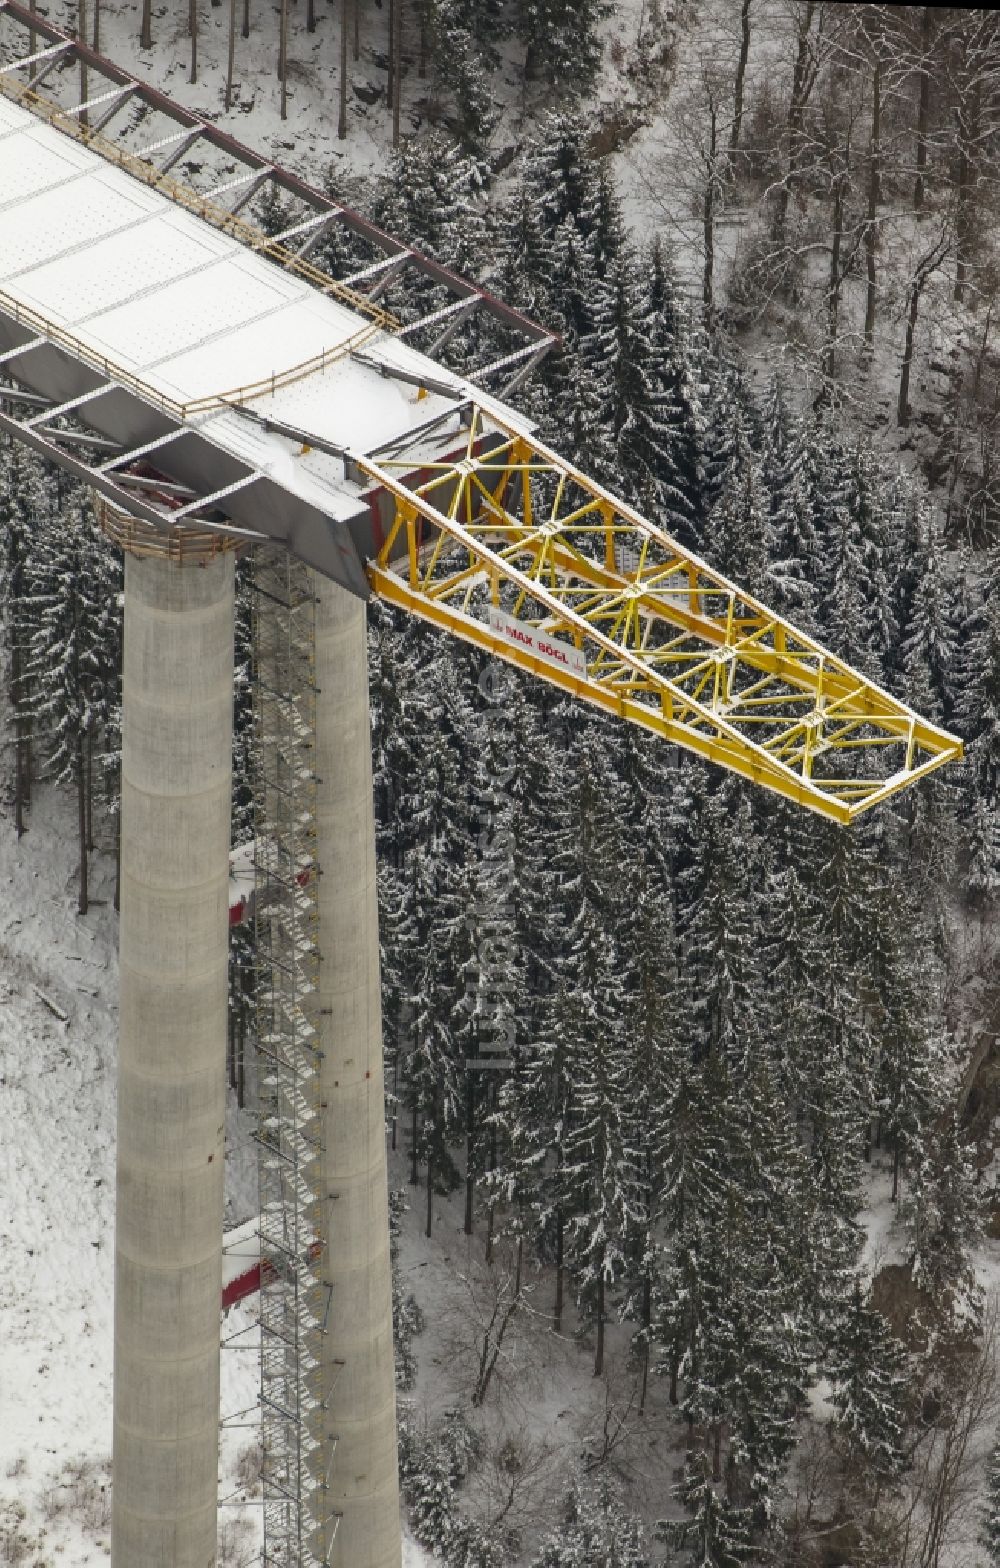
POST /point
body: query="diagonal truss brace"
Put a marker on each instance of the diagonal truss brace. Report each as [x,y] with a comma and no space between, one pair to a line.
[666,642]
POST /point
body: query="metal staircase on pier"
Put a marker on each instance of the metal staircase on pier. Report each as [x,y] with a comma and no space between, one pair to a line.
[299,1523]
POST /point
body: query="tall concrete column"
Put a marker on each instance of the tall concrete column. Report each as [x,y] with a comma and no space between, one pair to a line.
[358,1347]
[176,789]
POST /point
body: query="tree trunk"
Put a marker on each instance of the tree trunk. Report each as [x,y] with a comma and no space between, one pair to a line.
[925,267]
[345,22]
[357,30]
[716,1451]
[803,77]
[118,861]
[146,25]
[923,109]
[960,221]
[903,400]
[470,1130]
[647,1307]
[96,44]
[397,74]
[599,1352]
[491,1208]
[90,791]
[833,291]
[231,56]
[81,800]
[708,224]
[311,16]
[390,56]
[873,198]
[968,131]
[193,26]
[557,1310]
[741,73]
[493,1341]
[430,1191]
[246,18]
[414,1175]
[394,1122]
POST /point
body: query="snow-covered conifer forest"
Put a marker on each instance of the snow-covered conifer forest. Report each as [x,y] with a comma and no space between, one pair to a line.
[709,1276]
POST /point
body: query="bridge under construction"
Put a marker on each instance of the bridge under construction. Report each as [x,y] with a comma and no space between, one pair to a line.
[220,391]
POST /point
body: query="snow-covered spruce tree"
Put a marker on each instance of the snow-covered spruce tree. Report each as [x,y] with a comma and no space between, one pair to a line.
[560,37]
[793,543]
[434,1069]
[859,615]
[74,656]
[653,1061]
[408,792]
[556,173]
[731,425]
[596,1530]
[978,719]
[498,987]
[434,1465]
[426,905]
[407,1318]
[908,1029]
[715,926]
[693,1151]
[944,1219]
[662,441]
[529,1116]
[620,342]
[462,59]
[771,1320]
[598,1178]
[714,1534]
[744,1366]
[792,957]
[868,1372]
[580,379]
[838,1083]
[929,639]
[433,196]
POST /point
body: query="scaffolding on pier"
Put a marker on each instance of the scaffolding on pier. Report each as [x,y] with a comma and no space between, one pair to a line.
[299,1521]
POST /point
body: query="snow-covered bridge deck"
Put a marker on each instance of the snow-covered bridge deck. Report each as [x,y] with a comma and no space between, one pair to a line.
[135,315]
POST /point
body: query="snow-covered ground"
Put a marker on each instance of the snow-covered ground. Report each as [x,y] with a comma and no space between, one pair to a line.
[57,1181]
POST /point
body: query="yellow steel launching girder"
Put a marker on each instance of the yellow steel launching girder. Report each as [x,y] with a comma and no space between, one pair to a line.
[514,550]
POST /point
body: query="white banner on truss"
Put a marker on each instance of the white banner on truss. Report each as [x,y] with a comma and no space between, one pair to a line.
[539,644]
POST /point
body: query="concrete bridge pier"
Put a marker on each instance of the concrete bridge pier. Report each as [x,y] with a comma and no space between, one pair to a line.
[358,1356]
[176,790]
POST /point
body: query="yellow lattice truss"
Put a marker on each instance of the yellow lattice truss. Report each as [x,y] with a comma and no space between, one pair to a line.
[516,551]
